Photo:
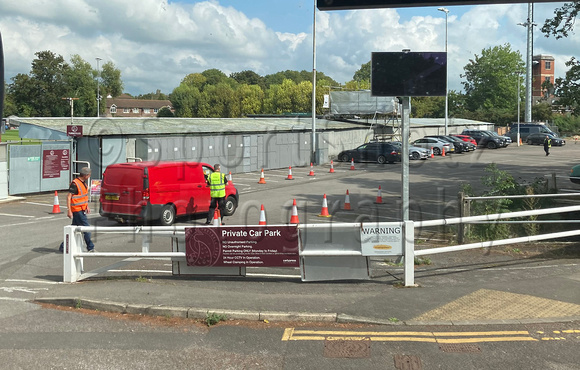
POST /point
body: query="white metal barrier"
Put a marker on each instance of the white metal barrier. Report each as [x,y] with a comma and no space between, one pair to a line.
[339,254]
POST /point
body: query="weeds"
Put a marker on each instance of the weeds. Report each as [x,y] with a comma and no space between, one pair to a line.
[213,318]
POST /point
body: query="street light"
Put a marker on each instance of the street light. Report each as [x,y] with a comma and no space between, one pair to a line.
[98,88]
[446,11]
[529,24]
[519,86]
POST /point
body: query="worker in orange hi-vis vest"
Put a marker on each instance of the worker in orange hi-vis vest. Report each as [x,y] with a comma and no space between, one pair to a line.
[77,203]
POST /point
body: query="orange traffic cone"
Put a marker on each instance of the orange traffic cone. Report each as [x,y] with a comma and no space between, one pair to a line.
[217,219]
[352,164]
[230,177]
[347,201]
[432,155]
[379,196]
[262,216]
[311,170]
[331,167]
[443,151]
[289,174]
[55,205]
[294,216]
[262,179]
[324,211]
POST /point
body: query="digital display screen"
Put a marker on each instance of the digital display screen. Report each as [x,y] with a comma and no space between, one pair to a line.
[408,74]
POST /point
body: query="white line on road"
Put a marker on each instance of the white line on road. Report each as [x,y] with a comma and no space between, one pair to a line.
[32,281]
[13,299]
[40,204]
[12,215]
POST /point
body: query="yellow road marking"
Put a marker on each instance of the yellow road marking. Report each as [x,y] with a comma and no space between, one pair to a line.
[291,334]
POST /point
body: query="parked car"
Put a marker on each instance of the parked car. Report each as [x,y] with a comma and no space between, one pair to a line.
[460,145]
[158,191]
[538,139]
[575,174]
[527,129]
[467,139]
[415,152]
[380,152]
[507,139]
[437,145]
[485,139]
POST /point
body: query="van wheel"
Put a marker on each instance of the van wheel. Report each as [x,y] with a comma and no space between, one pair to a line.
[167,215]
[230,206]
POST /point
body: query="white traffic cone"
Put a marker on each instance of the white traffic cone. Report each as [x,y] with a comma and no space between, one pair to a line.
[262,216]
[217,220]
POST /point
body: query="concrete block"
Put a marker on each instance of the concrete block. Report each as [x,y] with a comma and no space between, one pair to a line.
[102,305]
[167,311]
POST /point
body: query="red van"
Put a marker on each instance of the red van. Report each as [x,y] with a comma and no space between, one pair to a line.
[158,191]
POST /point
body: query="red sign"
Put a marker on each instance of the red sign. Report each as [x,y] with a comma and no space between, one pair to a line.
[258,246]
[74,130]
[54,161]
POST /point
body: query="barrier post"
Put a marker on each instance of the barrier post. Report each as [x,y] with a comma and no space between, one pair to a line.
[146,242]
[72,246]
[409,250]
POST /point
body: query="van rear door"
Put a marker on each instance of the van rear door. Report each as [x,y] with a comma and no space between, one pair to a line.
[122,190]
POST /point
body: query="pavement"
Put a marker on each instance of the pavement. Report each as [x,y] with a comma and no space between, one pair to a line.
[470,287]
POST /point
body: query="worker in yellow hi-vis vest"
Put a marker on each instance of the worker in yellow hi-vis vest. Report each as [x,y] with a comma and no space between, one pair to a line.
[217,187]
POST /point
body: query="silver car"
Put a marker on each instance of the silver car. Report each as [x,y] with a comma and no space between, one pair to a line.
[415,152]
[438,145]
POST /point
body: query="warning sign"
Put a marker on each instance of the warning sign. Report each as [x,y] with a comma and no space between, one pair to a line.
[54,161]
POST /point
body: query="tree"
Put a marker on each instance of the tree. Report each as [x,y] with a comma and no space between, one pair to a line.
[563,21]
[165,112]
[81,83]
[249,98]
[364,73]
[111,82]
[492,78]
[568,88]
[249,78]
[157,95]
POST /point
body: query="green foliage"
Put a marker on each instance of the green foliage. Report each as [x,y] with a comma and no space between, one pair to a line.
[111,80]
[492,78]
[567,125]
[568,88]
[363,74]
[501,183]
[213,318]
[563,21]
[428,107]
[542,112]
[165,112]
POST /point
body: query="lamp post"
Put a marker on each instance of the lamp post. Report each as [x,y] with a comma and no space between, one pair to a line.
[446,11]
[529,24]
[313,153]
[98,88]
[519,85]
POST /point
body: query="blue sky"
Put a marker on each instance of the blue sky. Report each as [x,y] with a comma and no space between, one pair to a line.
[156,43]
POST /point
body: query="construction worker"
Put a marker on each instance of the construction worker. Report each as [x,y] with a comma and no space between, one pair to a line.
[547,145]
[77,202]
[217,187]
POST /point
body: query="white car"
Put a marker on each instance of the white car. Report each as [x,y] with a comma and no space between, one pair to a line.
[415,152]
[438,145]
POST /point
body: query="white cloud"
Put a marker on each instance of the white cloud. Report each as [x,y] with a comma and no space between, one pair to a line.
[156,43]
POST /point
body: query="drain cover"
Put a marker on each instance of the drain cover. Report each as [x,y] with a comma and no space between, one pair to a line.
[406,362]
[459,347]
[347,348]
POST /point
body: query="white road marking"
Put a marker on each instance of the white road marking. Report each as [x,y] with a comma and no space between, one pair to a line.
[12,215]
[13,299]
[40,204]
[32,281]
[273,275]
[144,271]
[21,289]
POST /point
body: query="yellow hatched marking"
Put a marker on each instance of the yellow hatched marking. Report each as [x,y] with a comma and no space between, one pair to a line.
[363,333]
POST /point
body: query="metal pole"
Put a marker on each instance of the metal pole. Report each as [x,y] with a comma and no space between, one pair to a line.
[314,159]
[98,88]
[519,86]
[530,25]
[405,123]
[446,11]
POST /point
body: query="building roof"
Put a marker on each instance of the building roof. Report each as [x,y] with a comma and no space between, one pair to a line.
[115,126]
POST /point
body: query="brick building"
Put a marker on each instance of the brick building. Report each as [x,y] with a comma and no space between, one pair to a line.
[127,106]
[542,70]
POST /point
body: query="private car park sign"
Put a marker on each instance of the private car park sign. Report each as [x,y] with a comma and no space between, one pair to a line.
[258,246]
